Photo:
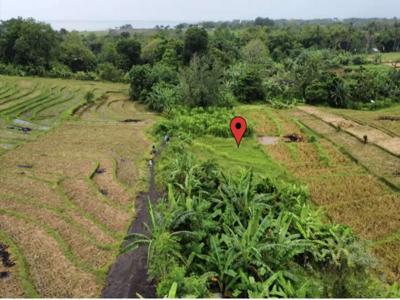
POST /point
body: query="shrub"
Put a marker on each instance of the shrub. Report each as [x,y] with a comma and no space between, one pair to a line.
[11,70]
[359,60]
[247,87]
[89,97]
[85,76]
[140,82]
[202,83]
[142,78]
[195,43]
[162,97]
[197,122]
[60,71]
[109,72]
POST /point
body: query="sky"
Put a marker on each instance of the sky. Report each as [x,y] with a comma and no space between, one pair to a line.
[195,10]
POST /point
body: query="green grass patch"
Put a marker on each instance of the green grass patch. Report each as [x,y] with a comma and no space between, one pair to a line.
[250,154]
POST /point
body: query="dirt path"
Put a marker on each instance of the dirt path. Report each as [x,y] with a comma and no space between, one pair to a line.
[375,136]
[128,277]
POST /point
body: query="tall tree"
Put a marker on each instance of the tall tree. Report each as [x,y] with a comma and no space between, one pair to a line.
[129,50]
[27,42]
[196,42]
[75,54]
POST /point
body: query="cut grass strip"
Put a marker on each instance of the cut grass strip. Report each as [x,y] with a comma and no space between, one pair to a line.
[278,125]
[53,274]
[53,104]
[12,110]
[6,89]
[22,94]
[60,191]
[62,213]
[11,92]
[65,248]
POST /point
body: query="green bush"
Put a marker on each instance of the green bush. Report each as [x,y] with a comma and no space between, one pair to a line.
[247,85]
[85,76]
[109,72]
[162,97]
[202,83]
[60,71]
[359,60]
[198,122]
[7,69]
[140,82]
[142,78]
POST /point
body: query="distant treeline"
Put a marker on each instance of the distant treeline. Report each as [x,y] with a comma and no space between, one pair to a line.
[235,24]
[218,63]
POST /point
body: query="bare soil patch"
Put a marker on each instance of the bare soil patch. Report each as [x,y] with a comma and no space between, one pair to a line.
[268,140]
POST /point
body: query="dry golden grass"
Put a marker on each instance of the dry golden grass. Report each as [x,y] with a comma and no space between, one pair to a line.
[54,211]
[389,254]
[79,244]
[82,196]
[93,230]
[376,136]
[374,119]
[260,118]
[12,181]
[348,193]
[107,185]
[287,124]
[10,286]
[51,272]
[379,162]
[279,152]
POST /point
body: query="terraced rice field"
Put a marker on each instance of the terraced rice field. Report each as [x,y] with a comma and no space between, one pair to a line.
[348,192]
[67,196]
[32,106]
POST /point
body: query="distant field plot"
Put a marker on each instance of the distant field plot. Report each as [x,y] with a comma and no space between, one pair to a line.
[347,191]
[387,120]
[67,197]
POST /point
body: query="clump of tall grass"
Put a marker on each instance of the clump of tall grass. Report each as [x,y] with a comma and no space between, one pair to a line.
[246,236]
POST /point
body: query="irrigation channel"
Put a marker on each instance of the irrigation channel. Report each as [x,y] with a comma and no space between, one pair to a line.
[128,277]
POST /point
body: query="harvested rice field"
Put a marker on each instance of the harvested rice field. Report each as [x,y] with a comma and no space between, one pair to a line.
[70,172]
[356,184]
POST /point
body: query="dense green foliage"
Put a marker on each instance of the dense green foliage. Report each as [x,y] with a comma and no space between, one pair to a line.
[196,42]
[279,63]
[322,62]
[246,237]
[188,124]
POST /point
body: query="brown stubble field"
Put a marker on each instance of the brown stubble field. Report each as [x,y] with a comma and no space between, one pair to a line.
[67,198]
[347,191]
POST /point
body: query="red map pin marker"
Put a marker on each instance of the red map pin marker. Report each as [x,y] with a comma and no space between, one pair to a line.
[238,128]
